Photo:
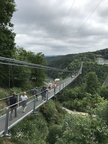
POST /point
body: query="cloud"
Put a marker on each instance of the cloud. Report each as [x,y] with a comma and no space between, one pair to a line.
[59,27]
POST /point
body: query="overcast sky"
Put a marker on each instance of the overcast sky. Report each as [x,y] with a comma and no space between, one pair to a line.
[60,27]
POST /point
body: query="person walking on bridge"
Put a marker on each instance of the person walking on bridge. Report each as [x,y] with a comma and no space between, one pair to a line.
[36,93]
[50,85]
[24,99]
[13,104]
[43,93]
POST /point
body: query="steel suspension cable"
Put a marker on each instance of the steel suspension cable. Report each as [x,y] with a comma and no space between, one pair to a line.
[65,19]
[89,16]
[30,65]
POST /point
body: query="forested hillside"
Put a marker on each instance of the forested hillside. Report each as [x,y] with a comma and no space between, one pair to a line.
[103,53]
[52,124]
[72,62]
[86,94]
[12,76]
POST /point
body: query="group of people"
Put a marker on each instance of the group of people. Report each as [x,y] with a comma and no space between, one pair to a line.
[14,102]
[50,85]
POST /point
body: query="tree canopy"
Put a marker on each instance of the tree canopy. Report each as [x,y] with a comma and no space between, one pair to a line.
[92,83]
[7,44]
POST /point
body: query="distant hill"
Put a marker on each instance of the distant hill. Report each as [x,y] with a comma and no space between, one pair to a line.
[72,62]
[103,53]
[52,60]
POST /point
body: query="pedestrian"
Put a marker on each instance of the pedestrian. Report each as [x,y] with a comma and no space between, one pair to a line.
[35,92]
[43,93]
[54,85]
[50,85]
[24,99]
[13,105]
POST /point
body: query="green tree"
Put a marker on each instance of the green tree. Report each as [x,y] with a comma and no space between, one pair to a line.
[35,76]
[102,111]
[78,129]
[92,83]
[54,132]
[32,130]
[104,92]
[7,45]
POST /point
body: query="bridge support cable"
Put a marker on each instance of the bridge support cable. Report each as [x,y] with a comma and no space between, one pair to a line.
[29,65]
[21,62]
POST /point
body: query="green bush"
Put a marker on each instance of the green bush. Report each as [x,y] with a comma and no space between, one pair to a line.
[102,111]
[104,92]
[3,93]
[5,141]
[54,132]
[50,113]
[79,129]
[32,129]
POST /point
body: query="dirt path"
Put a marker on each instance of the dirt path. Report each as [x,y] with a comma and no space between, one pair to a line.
[106,82]
[74,112]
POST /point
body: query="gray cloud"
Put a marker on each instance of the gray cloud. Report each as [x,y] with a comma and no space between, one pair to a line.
[54,27]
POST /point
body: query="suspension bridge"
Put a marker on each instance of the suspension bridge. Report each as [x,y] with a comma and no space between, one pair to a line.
[34,102]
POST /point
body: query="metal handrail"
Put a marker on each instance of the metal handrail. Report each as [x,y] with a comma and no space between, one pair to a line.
[54,91]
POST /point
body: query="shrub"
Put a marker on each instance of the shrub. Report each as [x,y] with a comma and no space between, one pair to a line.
[79,129]
[54,132]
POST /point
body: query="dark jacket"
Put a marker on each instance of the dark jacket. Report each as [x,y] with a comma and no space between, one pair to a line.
[13,100]
[43,91]
[35,91]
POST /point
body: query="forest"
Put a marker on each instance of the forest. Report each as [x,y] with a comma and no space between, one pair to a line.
[52,124]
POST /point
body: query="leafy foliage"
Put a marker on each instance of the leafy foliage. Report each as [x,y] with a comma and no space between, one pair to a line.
[48,126]
[92,83]
[104,92]
[55,131]
[80,129]
[38,128]
[13,76]
[32,130]
[51,113]
[7,45]
[102,111]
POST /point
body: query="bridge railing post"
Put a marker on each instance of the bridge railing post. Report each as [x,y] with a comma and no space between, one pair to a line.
[63,84]
[47,96]
[59,87]
[34,105]
[18,99]
[6,123]
[54,91]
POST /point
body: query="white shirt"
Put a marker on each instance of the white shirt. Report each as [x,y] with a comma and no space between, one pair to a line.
[24,97]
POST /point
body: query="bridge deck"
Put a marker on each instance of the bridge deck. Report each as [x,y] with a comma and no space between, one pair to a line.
[30,106]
